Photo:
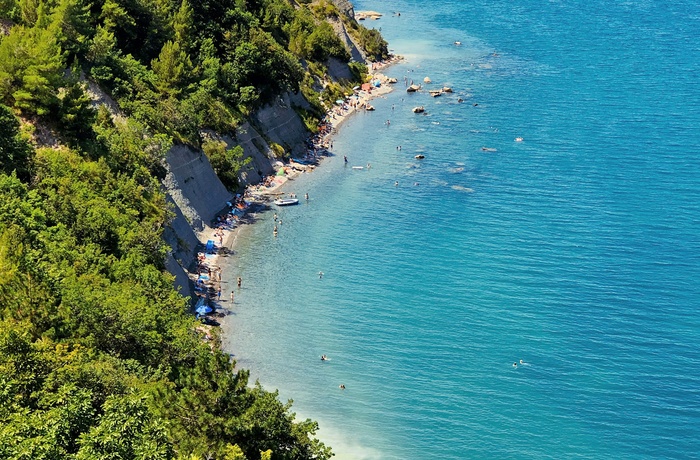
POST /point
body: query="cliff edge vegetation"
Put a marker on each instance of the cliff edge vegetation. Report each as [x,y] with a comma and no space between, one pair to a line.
[99,357]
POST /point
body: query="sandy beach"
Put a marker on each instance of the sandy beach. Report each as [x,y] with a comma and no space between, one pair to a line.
[217,289]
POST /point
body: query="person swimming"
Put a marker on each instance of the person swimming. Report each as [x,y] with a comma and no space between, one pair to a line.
[324,358]
[341,386]
[515,364]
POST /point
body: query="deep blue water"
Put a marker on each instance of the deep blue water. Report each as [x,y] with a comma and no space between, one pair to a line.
[576,250]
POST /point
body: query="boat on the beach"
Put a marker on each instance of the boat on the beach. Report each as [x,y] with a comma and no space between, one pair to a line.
[286,201]
[419,109]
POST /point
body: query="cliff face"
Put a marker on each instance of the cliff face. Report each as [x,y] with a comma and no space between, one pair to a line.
[345,7]
[355,52]
[196,193]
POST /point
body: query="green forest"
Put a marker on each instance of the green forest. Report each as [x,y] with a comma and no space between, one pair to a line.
[99,355]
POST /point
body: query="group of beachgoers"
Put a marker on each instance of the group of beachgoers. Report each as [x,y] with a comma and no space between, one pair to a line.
[208,281]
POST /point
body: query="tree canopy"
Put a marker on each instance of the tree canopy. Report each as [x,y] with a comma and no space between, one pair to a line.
[99,357]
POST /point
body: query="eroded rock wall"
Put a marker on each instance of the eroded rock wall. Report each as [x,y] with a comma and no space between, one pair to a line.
[196,194]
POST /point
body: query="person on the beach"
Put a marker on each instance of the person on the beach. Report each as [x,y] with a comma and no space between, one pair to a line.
[345,159]
[240,281]
[274,232]
[232,296]
[275,217]
[306,196]
[218,293]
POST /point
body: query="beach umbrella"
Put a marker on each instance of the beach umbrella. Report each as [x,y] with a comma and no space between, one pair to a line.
[203,309]
[339,101]
[355,88]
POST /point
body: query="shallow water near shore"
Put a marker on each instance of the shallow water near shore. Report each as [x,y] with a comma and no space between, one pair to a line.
[576,250]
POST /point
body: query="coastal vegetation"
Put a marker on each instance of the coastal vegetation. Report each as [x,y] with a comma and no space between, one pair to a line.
[99,357]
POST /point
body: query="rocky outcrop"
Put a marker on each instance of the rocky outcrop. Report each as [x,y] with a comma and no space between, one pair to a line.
[194,187]
[281,124]
[345,7]
[356,53]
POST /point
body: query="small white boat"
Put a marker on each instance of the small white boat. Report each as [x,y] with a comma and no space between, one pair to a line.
[286,201]
[419,109]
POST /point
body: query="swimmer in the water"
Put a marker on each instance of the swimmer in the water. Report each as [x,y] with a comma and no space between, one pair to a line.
[515,364]
[341,386]
[324,358]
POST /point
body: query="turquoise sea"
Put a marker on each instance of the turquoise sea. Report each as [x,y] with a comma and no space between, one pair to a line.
[576,250]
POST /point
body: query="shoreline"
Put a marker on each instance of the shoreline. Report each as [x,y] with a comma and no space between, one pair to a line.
[205,273]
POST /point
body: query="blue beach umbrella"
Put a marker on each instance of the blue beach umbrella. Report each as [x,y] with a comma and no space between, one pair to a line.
[203,309]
